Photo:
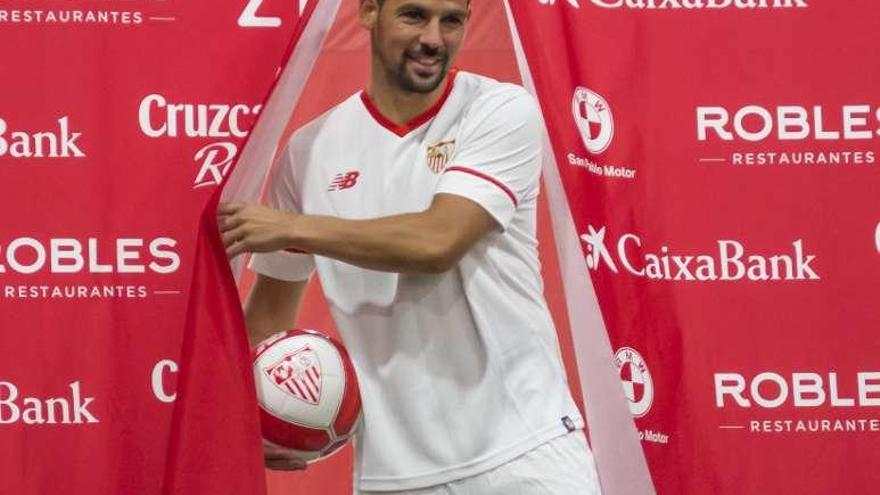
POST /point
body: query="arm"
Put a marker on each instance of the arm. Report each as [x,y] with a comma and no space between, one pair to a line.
[497,166]
[431,241]
[271,307]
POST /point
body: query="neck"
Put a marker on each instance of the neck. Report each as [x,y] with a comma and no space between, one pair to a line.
[398,105]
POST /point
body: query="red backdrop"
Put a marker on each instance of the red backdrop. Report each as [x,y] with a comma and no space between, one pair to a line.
[711,184]
[719,162]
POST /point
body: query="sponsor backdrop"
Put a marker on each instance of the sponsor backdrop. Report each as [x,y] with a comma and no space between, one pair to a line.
[711,175]
[122,358]
[719,158]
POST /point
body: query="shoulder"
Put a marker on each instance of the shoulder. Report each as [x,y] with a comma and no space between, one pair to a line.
[487,90]
[326,127]
[497,107]
[493,98]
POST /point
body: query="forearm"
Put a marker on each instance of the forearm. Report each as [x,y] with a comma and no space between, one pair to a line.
[261,324]
[407,243]
[271,307]
[431,241]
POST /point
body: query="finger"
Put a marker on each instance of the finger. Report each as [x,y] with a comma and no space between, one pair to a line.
[229,222]
[272,451]
[287,465]
[232,236]
[282,458]
[238,248]
[229,208]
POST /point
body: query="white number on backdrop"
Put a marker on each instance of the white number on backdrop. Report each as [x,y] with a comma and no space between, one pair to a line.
[249,17]
[573,3]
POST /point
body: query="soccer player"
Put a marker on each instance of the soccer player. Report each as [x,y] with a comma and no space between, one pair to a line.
[415,200]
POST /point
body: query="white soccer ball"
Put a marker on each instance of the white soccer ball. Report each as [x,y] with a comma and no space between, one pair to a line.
[307,391]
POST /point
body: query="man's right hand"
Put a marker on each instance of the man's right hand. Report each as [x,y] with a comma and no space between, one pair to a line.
[280,459]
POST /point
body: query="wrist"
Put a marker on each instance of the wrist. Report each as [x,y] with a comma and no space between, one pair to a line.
[295,233]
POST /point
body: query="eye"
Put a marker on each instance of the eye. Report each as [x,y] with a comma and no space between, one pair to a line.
[413,15]
[453,20]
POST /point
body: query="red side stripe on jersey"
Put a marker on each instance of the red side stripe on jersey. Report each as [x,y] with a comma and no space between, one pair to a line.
[404,129]
[489,178]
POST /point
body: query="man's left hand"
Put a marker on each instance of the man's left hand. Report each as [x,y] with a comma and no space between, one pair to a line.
[253,228]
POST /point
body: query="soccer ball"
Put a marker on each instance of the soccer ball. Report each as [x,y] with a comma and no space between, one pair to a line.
[307,391]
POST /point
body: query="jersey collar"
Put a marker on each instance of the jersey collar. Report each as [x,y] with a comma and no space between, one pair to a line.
[404,129]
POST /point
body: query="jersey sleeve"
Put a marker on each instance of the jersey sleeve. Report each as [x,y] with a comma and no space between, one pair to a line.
[497,160]
[282,194]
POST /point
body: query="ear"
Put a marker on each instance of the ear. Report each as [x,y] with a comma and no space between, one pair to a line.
[368,13]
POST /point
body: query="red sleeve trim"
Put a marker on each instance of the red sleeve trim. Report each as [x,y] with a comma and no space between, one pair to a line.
[489,178]
[296,251]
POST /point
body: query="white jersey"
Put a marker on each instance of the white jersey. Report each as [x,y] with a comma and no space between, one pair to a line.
[459,372]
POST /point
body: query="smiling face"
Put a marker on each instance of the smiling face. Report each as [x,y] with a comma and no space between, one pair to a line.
[415,41]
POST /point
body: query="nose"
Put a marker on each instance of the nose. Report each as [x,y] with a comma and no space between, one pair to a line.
[431,35]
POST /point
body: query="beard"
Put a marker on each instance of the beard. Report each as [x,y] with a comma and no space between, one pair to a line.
[411,80]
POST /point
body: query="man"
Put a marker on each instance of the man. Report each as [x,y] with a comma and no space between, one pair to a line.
[416,202]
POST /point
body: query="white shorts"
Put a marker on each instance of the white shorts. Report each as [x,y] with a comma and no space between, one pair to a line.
[562,466]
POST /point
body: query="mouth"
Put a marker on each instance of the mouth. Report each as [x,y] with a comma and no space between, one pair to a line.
[425,66]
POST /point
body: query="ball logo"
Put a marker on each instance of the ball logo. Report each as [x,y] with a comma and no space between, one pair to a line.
[298,374]
[636,379]
[593,118]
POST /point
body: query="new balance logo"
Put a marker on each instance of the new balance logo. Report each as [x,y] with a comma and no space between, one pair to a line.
[343,181]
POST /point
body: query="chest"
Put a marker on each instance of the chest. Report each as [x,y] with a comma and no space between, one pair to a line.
[371,172]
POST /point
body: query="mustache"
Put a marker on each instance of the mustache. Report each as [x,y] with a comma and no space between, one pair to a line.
[424,50]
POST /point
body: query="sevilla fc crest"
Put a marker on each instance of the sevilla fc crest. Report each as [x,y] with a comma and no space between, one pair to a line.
[439,155]
[298,374]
